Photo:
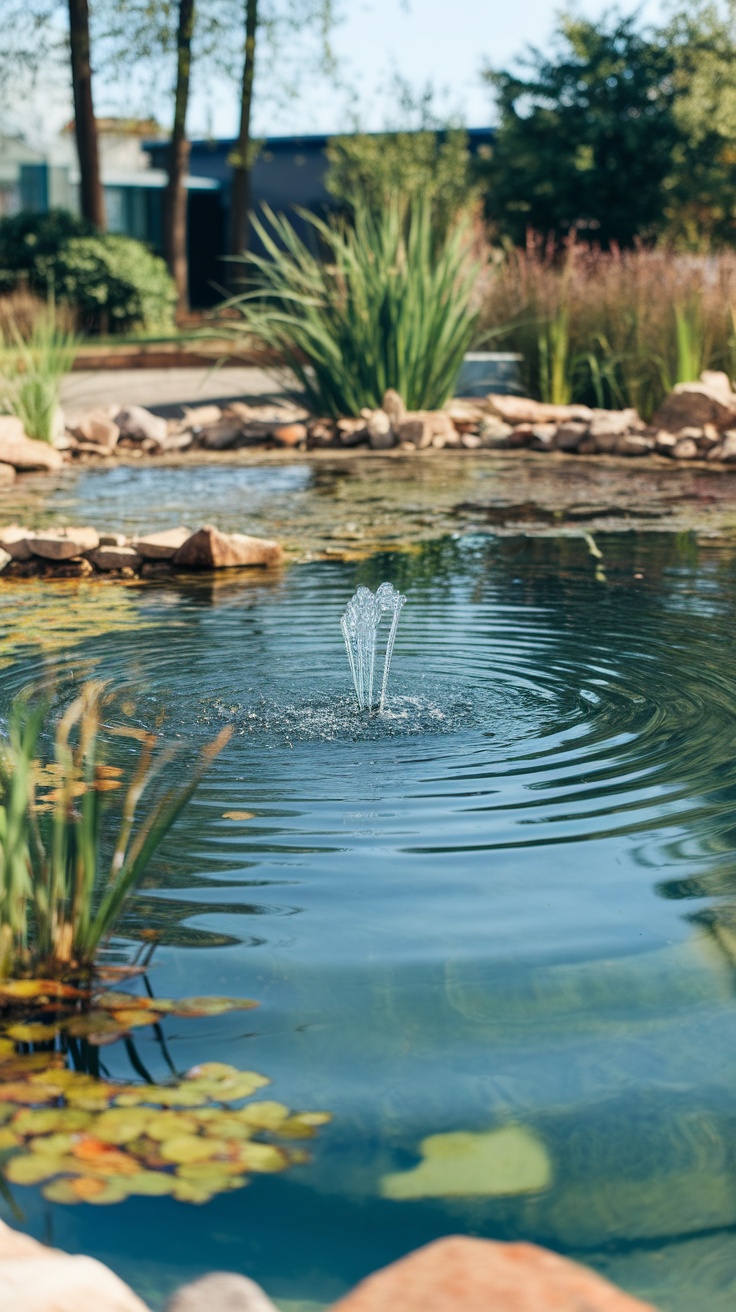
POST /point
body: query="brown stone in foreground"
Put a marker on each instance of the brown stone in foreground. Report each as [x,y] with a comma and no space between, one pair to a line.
[161,546]
[210,549]
[109,558]
[523,410]
[459,1274]
[63,545]
[98,428]
[709,401]
[25,452]
[34,1278]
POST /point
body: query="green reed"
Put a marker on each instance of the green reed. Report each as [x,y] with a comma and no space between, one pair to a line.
[59,899]
[34,360]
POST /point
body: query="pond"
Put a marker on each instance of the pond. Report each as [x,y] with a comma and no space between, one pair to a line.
[493,932]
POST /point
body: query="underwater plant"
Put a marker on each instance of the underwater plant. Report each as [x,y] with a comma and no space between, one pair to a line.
[59,898]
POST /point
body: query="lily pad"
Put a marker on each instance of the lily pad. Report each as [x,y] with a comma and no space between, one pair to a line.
[29,1093]
[212,1006]
[168,1124]
[264,1115]
[32,1168]
[61,1190]
[48,1120]
[121,1124]
[150,1184]
[495,1164]
[185,1148]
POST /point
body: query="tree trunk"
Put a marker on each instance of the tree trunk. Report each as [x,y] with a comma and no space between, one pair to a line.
[92,198]
[240,194]
[175,195]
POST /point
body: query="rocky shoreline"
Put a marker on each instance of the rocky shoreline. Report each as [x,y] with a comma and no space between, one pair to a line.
[82,552]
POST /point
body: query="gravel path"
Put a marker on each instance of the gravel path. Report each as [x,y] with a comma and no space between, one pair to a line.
[166,391]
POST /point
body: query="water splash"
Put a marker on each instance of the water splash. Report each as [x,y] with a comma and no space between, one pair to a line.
[360,625]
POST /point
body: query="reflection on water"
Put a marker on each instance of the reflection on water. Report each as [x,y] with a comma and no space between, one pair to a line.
[501,948]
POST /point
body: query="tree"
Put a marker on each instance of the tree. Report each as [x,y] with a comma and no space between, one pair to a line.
[175,196]
[373,167]
[91,195]
[242,156]
[586,139]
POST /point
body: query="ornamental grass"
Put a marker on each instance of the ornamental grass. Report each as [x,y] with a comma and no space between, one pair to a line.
[385,302]
[60,897]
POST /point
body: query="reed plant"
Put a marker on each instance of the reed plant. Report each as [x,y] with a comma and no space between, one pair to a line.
[383,300]
[36,354]
[611,328]
[59,898]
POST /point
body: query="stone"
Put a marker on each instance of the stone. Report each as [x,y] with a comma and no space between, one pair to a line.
[471,441]
[492,431]
[14,540]
[152,569]
[109,558]
[34,1278]
[393,404]
[665,443]
[465,411]
[523,410]
[685,449]
[7,475]
[221,1291]
[140,424]
[161,546]
[460,1274]
[569,435]
[208,548]
[709,438]
[76,568]
[521,435]
[98,428]
[588,447]
[616,422]
[113,540]
[633,444]
[543,437]
[709,401]
[178,441]
[423,426]
[351,431]
[322,432]
[5,559]
[289,434]
[222,434]
[380,432]
[201,416]
[606,442]
[728,448]
[64,543]
[23,452]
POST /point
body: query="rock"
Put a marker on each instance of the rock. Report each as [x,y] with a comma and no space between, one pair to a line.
[465,411]
[522,410]
[633,444]
[201,416]
[7,475]
[34,1278]
[151,569]
[665,443]
[351,431]
[715,453]
[178,441]
[161,546]
[471,441]
[393,404]
[492,431]
[25,452]
[710,401]
[108,558]
[76,568]
[709,438]
[685,449]
[380,433]
[569,436]
[521,435]
[289,434]
[5,559]
[222,434]
[322,432]
[64,543]
[423,426]
[588,447]
[727,450]
[606,442]
[222,1291]
[543,437]
[14,540]
[113,540]
[98,428]
[460,1274]
[210,549]
[137,422]
[616,422]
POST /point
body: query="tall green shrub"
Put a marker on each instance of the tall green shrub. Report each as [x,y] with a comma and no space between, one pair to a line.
[386,304]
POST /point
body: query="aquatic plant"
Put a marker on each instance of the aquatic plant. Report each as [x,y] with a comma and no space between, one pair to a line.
[386,303]
[33,364]
[57,902]
[88,1139]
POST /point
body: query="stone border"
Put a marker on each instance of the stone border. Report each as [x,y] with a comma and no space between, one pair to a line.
[85,553]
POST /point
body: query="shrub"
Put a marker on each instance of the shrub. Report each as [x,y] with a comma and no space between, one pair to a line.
[371,168]
[114,283]
[57,903]
[389,306]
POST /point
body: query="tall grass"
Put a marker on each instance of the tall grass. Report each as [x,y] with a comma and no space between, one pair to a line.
[36,354]
[385,303]
[616,328]
[59,899]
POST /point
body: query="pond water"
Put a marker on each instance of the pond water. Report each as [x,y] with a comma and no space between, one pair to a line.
[501,919]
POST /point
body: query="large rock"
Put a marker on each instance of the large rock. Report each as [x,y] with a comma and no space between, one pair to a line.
[7,475]
[64,543]
[14,540]
[222,434]
[34,1278]
[428,428]
[380,433]
[523,410]
[393,404]
[161,546]
[137,422]
[98,428]
[114,558]
[614,422]
[289,434]
[208,548]
[459,1274]
[692,405]
[24,452]
[222,1291]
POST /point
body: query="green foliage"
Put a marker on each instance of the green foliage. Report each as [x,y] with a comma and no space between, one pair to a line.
[57,905]
[389,306]
[370,168]
[32,367]
[114,283]
[585,140]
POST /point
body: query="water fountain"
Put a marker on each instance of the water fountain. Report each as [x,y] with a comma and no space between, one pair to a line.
[360,625]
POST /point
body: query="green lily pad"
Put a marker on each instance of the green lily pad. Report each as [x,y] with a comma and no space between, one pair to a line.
[495,1164]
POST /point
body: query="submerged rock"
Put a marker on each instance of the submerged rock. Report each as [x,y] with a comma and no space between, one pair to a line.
[222,1291]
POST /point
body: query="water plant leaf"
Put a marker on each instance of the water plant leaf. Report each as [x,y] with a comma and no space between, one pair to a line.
[32,1168]
[131,1019]
[49,1120]
[238,815]
[103,1158]
[212,1006]
[169,1124]
[264,1115]
[29,1093]
[61,1190]
[122,1124]
[37,989]
[57,1145]
[186,1148]
[184,1192]
[87,1187]
[494,1164]
[9,1139]
[32,1032]
[150,1184]
[260,1157]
